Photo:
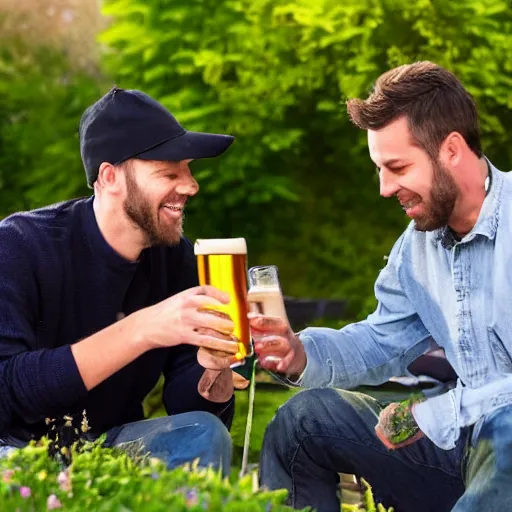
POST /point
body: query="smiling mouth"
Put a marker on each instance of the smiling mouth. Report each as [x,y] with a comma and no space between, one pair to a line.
[410,204]
[174,208]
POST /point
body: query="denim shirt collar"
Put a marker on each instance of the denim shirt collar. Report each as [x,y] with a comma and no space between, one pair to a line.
[487,222]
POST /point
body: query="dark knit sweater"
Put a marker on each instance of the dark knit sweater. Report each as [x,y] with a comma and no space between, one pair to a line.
[61,282]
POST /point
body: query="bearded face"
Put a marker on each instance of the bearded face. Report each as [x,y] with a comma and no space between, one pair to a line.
[439,206]
[156,206]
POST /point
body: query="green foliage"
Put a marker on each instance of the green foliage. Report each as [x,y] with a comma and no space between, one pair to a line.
[402,423]
[108,480]
[103,479]
[298,182]
[368,502]
[41,100]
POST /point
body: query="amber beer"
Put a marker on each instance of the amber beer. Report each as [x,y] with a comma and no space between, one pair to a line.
[222,263]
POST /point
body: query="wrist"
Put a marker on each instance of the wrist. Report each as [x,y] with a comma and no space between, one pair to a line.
[135,326]
[296,369]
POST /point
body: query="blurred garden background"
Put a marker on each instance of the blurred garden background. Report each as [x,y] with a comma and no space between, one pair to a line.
[298,183]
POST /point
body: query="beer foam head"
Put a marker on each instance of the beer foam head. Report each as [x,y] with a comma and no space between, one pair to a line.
[220,246]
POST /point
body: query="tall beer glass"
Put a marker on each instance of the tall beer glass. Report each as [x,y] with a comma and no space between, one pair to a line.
[222,263]
[265,295]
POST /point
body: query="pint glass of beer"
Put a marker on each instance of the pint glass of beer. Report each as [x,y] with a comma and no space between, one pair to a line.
[222,263]
[265,295]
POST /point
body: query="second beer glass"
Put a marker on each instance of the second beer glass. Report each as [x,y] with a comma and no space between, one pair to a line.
[265,296]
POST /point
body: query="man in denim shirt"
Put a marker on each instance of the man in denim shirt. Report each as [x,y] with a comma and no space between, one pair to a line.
[448,278]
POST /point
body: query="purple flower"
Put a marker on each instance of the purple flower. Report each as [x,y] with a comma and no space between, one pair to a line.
[155,475]
[53,502]
[25,492]
[192,498]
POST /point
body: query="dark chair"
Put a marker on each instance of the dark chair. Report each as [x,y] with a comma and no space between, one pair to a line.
[435,365]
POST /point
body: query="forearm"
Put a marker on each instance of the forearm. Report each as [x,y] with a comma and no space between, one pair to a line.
[104,353]
[41,383]
[353,356]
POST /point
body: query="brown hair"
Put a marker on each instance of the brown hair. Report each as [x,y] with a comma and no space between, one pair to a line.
[433,100]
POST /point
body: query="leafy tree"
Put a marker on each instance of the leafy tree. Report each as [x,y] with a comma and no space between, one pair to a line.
[298,182]
[41,99]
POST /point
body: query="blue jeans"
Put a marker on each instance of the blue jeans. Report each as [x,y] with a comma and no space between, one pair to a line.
[322,432]
[176,440]
[488,471]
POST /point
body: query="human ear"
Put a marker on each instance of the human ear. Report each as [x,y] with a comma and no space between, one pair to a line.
[452,149]
[109,177]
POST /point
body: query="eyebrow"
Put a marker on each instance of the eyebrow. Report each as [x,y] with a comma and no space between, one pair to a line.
[392,161]
[168,168]
[163,170]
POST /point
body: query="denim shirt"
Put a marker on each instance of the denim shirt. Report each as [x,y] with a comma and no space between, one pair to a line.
[433,287]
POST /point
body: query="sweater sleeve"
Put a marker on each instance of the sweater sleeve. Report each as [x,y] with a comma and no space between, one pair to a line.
[34,383]
[39,384]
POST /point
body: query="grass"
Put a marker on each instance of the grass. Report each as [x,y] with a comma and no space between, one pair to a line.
[266,402]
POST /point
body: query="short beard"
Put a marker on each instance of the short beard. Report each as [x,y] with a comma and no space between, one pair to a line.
[138,208]
[442,200]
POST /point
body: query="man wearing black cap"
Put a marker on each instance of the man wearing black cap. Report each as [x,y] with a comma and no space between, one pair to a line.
[99,296]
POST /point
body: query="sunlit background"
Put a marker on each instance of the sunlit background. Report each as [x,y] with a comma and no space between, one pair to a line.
[298,182]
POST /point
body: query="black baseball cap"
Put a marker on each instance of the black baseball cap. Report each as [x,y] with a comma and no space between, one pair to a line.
[127,124]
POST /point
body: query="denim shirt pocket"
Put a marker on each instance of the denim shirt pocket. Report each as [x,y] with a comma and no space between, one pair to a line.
[501,355]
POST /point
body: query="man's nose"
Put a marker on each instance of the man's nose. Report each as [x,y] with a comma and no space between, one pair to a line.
[388,183]
[188,187]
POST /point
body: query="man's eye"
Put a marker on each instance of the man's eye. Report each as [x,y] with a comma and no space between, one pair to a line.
[171,176]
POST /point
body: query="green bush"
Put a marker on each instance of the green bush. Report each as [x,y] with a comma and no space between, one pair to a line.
[298,182]
[105,479]
[42,96]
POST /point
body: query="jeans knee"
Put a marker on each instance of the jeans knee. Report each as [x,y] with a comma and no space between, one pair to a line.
[301,414]
[320,412]
[213,429]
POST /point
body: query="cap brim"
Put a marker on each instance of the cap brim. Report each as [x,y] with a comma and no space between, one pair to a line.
[190,145]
